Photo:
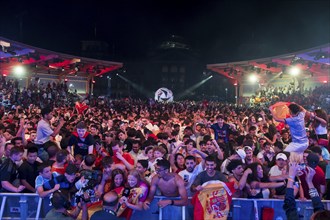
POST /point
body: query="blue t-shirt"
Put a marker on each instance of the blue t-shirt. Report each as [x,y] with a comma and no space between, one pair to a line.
[297,128]
[222,132]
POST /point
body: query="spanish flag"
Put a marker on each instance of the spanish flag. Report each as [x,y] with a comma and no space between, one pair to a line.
[213,202]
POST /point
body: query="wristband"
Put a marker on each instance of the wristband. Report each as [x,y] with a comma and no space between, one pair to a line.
[313,192]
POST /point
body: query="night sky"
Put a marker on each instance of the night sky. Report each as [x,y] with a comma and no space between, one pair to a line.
[219,31]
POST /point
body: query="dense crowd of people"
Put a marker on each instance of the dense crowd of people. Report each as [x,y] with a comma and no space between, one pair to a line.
[42,93]
[108,149]
[314,98]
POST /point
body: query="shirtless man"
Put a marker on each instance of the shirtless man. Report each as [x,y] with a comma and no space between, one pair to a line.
[169,184]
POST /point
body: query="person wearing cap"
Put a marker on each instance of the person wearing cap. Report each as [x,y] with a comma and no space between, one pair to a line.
[318,179]
[278,173]
[238,155]
[110,204]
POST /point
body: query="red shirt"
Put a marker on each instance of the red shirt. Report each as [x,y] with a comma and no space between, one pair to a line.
[318,179]
[59,170]
[127,157]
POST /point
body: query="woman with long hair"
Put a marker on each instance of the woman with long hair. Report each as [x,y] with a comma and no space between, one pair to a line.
[136,193]
[320,123]
[118,180]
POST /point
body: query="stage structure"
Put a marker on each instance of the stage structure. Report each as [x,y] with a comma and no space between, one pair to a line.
[34,65]
[302,71]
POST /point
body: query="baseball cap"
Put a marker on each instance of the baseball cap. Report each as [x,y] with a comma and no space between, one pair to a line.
[241,153]
[312,160]
[281,156]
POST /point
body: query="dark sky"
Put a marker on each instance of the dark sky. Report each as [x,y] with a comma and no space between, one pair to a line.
[219,30]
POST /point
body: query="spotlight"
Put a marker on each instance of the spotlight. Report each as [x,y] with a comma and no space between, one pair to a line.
[19,70]
[117,74]
[93,81]
[65,80]
[294,71]
[253,78]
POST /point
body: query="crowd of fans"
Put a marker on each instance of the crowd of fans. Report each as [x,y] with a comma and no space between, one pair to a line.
[42,93]
[108,149]
[318,97]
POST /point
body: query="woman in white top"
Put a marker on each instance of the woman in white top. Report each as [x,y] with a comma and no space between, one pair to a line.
[320,122]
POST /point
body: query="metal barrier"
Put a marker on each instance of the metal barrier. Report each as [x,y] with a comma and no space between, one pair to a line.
[30,207]
[23,204]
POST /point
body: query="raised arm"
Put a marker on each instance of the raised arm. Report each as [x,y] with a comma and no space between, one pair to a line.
[219,151]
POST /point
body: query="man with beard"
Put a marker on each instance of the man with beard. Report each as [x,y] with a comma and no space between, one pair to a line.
[170,185]
[209,174]
[81,141]
[190,173]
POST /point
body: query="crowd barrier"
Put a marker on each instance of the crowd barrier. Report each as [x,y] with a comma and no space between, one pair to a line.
[27,206]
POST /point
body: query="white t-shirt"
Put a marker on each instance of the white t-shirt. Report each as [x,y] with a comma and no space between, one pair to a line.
[275,171]
[43,132]
[191,176]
